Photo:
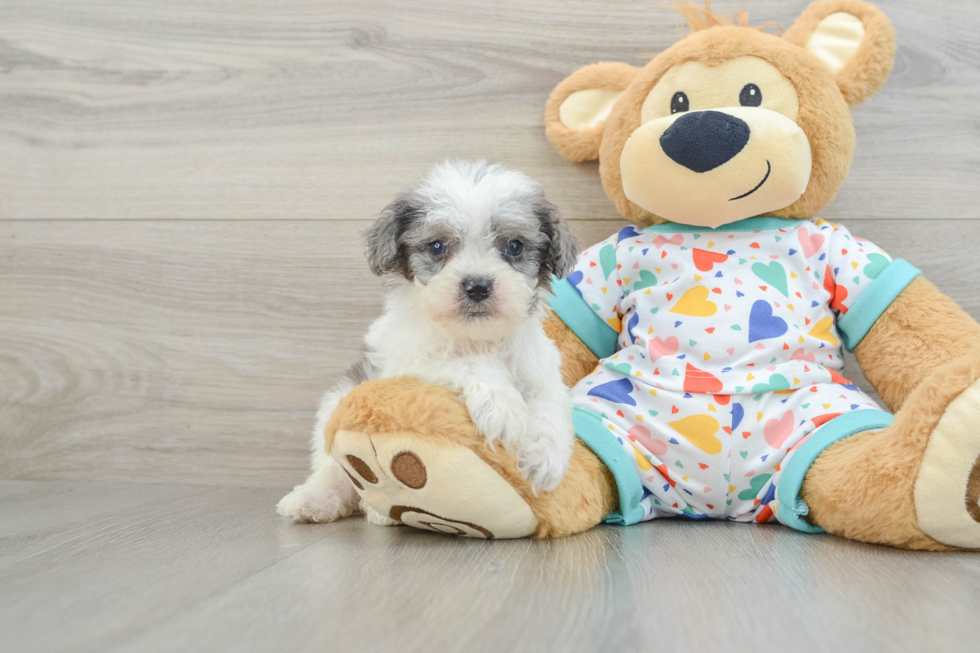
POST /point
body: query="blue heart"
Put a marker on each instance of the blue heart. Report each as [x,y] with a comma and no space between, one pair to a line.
[739,293]
[673,441]
[632,325]
[575,278]
[763,324]
[617,392]
[737,414]
[627,232]
[792,251]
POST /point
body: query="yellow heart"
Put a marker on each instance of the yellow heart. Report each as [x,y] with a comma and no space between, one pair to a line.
[790,307]
[697,277]
[603,291]
[639,418]
[616,324]
[626,281]
[700,431]
[642,462]
[647,292]
[826,406]
[792,275]
[854,264]
[707,356]
[822,330]
[750,377]
[695,303]
[711,408]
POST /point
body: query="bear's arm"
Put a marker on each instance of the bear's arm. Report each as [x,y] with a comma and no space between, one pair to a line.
[577,360]
[921,330]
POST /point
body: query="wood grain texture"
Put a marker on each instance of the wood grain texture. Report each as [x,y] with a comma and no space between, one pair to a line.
[211,109]
[115,567]
[195,351]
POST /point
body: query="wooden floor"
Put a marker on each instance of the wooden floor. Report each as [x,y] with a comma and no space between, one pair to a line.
[182,190]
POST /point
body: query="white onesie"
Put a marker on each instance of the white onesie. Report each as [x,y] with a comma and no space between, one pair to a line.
[720,357]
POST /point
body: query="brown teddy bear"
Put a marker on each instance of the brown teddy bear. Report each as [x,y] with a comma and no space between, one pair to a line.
[702,344]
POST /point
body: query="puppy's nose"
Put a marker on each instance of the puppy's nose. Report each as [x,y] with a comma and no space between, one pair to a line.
[477,289]
[703,140]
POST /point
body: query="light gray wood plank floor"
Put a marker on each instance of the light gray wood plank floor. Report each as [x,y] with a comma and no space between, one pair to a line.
[119,567]
[183,186]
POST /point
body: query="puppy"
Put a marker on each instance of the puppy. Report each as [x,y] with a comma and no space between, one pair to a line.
[467,258]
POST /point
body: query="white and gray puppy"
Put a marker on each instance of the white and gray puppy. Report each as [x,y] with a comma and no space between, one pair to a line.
[467,258]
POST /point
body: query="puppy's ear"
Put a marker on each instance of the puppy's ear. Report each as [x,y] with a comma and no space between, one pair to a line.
[853,39]
[576,113]
[382,241]
[562,248]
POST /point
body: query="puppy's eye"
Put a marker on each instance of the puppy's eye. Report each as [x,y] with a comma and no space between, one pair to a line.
[751,96]
[514,248]
[679,102]
[437,248]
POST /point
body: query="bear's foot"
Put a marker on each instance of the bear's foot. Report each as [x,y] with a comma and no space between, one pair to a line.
[916,483]
[947,490]
[415,457]
[410,451]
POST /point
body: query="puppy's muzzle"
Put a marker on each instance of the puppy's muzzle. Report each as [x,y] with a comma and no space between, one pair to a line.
[477,290]
[705,140]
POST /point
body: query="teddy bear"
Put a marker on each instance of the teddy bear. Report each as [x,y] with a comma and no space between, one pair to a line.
[702,344]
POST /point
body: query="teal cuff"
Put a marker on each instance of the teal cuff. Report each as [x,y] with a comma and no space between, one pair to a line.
[589,429]
[748,224]
[591,329]
[870,304]
[792,509]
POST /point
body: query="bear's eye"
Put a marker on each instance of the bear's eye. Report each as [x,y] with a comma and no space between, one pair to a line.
[750,96]
[679,102]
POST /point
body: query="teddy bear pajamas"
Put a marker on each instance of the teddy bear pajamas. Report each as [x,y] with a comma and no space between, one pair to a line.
[720,357]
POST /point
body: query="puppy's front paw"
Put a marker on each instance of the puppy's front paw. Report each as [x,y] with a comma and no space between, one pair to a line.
[544,462]
[499,414]
[375,517]
[314,503]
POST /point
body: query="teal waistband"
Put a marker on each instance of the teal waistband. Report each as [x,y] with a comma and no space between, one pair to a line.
[589,429]
[792,509]
[582,320]
[874,301]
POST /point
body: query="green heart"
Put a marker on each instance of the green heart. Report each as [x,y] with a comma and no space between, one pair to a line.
[755,487]
[622,368]
[776,382]
[774,274]
[743,454]
[736,327]
[646,280]
[607,258]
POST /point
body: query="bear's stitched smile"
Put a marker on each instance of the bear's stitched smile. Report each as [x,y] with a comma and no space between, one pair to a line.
[768,170]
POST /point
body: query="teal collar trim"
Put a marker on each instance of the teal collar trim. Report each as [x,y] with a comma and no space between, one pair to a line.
[589,429]
[792,509]
[749,224]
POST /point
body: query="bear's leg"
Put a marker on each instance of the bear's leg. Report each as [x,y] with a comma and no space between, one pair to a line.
[414,456]
[914,484]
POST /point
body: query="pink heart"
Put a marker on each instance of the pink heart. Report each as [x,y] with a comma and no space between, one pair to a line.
[636,266]
[660,348]
[777,430]
[738,282]
[810,243]
[676,239]
[673,265]
[641,434]
[731,351]
[727,307]
[707,489]
[631,357]
[803,355]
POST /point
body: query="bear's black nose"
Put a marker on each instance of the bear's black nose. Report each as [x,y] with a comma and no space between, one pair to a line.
[478,289]
[703,140]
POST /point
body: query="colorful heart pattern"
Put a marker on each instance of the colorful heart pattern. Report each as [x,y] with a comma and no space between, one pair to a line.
[728,355]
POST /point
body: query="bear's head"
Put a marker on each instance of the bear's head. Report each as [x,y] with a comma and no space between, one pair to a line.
[730,122]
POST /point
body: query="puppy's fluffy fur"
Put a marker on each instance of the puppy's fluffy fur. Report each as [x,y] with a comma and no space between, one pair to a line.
[467,257]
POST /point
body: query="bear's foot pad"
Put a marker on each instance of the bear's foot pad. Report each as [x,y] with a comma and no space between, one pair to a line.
[432,484]
[947,490]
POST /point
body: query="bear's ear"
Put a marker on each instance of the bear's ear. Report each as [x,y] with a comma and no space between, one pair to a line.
[578,107]
[854,39]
